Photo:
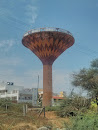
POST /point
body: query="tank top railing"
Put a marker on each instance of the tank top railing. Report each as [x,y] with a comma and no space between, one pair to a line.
[47,29]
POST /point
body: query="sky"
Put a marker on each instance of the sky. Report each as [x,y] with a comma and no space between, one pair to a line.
[19,65]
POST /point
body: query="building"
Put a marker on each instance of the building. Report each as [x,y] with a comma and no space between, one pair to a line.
[62,94]
[9,90]
[56,98]
[28,96]
[18,94]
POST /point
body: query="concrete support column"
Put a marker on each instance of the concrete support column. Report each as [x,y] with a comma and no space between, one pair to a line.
[47,85]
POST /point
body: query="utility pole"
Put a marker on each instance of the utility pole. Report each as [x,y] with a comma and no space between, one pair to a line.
[38,82]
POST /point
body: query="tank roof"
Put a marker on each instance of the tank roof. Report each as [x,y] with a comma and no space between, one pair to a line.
[47,29]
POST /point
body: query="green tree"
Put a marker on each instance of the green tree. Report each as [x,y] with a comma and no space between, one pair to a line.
[88,78]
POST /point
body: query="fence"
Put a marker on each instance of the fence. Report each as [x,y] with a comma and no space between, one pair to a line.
[11,113]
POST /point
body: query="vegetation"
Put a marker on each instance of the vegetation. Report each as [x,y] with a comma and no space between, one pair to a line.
[82,113]
[12,117]
[52,108]
[77,110]
[73,113]
[88,78]
[85,122]
[73,106]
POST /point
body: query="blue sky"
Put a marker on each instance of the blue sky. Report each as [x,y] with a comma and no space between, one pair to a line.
[20,65]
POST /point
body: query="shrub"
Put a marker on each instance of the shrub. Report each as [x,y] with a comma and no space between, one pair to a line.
[86,122]
[71,106]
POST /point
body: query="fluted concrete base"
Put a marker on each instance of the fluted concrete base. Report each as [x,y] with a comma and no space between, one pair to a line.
[47,85]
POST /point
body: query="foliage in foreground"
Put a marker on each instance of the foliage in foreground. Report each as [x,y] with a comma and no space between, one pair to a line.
[85,122]
[75,108]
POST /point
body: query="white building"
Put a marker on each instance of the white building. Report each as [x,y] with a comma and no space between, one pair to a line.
[18,93]
[9,90]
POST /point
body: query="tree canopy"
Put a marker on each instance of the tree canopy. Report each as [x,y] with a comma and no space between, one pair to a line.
[88,78]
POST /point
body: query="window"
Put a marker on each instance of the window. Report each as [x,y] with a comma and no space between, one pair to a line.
[14,91]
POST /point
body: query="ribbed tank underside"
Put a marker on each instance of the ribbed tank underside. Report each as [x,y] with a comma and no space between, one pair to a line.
[48,45]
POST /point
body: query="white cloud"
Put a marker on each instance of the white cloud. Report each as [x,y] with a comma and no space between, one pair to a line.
[10,61]
[6,74]
[6,45]
[61,80]
[33,76]
[4,12]
[29,79]
[31,12]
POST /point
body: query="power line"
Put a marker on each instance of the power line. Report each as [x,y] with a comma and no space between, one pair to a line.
[13,18]
[9,18]
[87,49]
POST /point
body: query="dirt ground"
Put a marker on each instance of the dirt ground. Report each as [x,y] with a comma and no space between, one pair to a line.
[56,121]
[50,119]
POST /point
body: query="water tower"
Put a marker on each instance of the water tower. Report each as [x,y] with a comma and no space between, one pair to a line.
[47,44]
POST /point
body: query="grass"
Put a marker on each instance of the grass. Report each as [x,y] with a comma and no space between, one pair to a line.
[12,118]
[52,108]
[84,119]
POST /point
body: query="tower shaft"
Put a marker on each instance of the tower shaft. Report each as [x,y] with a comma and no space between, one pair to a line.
[47,85]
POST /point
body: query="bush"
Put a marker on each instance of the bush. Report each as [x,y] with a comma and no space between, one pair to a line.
[67,111]
[86,122]
[10,107]
[72,106]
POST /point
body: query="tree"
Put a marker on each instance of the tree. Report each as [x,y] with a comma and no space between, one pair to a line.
[88,78]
